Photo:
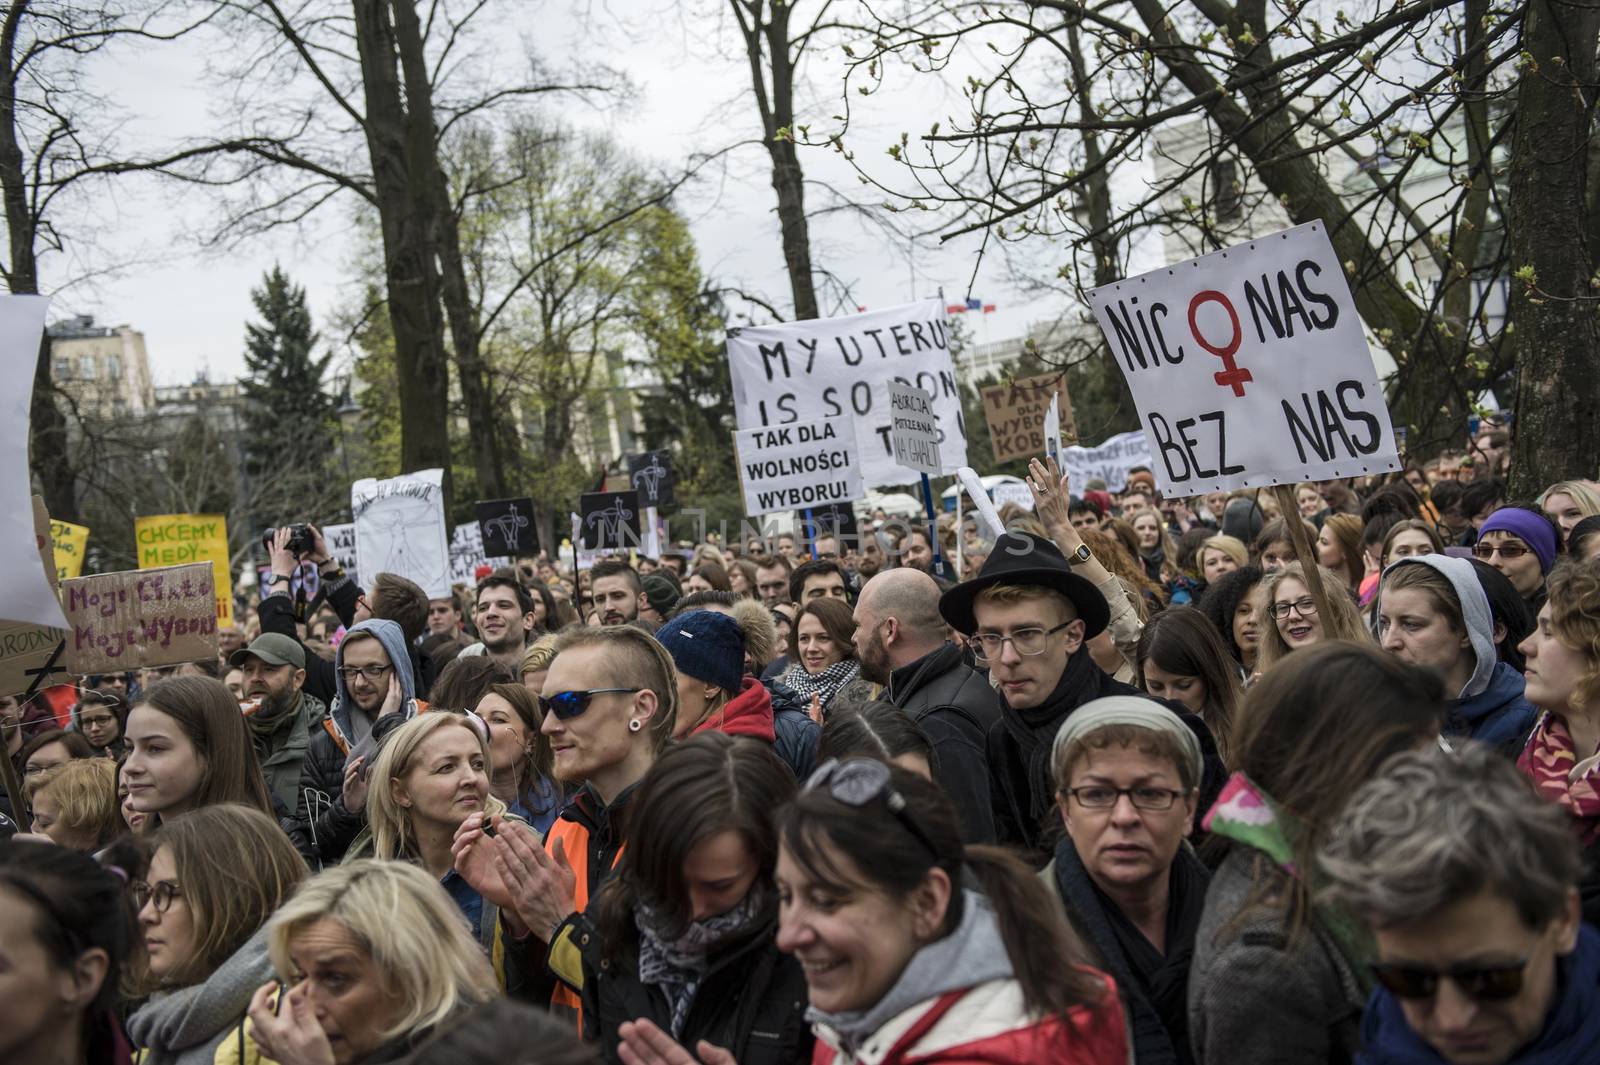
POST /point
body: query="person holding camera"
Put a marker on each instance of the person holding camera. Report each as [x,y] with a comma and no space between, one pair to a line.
[393,598]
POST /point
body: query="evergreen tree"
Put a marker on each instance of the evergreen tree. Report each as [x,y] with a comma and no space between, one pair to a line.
[289,446]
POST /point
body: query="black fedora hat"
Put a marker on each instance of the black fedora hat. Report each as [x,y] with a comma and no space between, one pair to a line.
[1019,558]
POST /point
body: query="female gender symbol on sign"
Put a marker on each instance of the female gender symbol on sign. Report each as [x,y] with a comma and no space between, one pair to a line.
[1231,376]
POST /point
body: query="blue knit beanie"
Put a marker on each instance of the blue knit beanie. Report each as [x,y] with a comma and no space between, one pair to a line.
[706,646]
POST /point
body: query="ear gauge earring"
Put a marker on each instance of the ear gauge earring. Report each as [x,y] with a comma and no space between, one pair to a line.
[635,725]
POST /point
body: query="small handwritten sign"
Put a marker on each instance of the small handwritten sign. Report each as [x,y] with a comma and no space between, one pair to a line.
[150,617]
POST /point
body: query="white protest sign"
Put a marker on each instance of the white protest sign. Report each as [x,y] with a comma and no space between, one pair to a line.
[400,529]
[1052,429]
[798,372]
[25,590]
[914,433]
[466,554]
[1109,462]
[341,541]
[1249,367]
[792,467]
[1013,492]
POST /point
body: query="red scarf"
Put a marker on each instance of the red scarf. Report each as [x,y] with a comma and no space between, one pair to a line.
[1551,760]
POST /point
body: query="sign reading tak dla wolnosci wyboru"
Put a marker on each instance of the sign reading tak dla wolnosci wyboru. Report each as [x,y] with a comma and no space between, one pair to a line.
[1249,367]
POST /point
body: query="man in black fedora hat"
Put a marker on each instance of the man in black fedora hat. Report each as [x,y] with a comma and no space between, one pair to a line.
[1028,617]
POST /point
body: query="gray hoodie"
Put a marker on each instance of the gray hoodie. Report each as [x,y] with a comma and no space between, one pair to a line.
[973,954]
[186,1027]
[356,727]
[1474,611]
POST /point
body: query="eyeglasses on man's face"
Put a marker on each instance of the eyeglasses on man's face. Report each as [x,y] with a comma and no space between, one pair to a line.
[372,673]
[572,704]
[1027,642]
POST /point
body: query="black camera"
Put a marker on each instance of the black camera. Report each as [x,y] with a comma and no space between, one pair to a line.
[301,540]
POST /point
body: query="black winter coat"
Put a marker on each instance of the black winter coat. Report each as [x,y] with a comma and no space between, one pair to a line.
[329,826]
[1018,747]
[956,707]
[752,1003]
[796,736]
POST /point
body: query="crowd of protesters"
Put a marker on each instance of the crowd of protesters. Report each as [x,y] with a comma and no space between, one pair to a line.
[1149,780]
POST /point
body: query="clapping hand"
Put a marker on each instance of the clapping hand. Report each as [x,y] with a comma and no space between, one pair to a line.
[509,868]
[642,1043]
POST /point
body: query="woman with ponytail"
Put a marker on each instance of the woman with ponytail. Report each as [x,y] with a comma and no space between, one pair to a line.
[914,946]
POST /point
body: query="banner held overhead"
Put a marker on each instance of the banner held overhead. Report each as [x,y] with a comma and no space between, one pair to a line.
[799,372]
[800,466]
[1249,367]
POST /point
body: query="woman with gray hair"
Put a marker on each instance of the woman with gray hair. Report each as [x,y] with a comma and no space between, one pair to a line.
[1127,773]
[1469,883]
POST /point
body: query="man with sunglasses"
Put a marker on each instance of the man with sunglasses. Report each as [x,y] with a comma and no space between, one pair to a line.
[1469,883]
[1028,617]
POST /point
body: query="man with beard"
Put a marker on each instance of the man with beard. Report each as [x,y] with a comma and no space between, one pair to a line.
[900,641]
[504,615]
[280,715]
[618,592]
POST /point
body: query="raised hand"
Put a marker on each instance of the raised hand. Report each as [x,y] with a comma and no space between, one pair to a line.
[643,1043]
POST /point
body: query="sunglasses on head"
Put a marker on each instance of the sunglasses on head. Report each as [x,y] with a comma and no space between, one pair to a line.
[1486,983]
[857,782]
[572,704]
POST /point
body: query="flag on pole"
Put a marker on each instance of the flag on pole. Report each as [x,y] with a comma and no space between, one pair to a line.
[974,305]
[988,308]
[956,308]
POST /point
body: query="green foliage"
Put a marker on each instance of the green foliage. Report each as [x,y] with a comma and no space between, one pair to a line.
[680,323]
[288,439]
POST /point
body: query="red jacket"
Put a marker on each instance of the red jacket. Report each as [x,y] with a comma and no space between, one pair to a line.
[747,714]
[988,1025]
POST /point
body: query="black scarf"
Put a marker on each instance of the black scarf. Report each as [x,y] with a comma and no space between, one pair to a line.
[1155,985]
[1034,731]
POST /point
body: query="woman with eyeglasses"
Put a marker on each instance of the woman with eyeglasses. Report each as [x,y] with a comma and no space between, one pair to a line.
[216,875]
[609,702]
[65,937]
[1519,541]
[99,718]
[1432,612]
[1468,884]
[687,928]
[1127,775]
[52,749]
[1562,756]
[1277,978]
[916,947]
[1292,620]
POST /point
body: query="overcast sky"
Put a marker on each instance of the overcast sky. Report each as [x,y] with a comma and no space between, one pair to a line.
[692,95]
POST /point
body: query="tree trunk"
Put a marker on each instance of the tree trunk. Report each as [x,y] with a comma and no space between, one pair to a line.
[432,196]
[48,447]
[410,272]
[777,127]
[1429,397]
[1553,308]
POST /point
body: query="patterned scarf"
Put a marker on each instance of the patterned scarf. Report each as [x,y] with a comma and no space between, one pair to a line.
[1246,814]
[826,684]
[1561,777]
[676,959]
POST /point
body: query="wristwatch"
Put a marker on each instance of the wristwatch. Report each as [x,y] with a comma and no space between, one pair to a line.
[1080,556]
[280,578]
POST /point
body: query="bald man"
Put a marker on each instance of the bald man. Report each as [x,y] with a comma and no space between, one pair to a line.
[901,642]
